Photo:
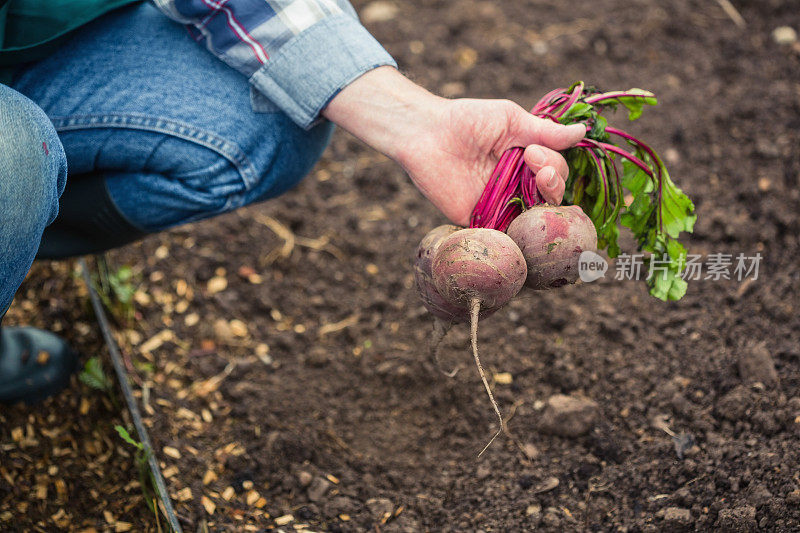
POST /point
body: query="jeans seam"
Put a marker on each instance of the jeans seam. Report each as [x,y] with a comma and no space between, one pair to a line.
[227,149]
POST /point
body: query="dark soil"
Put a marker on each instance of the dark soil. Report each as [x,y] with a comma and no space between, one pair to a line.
[303,385]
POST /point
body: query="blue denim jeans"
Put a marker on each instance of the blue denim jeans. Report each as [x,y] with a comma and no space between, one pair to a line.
[168,126]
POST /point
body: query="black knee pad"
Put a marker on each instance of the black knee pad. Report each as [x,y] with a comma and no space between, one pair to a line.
[88,222]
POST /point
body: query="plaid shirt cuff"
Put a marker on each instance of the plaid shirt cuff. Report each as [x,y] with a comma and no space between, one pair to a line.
[309,70]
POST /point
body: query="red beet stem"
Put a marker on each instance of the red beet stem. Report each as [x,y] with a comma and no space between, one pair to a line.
[512,178]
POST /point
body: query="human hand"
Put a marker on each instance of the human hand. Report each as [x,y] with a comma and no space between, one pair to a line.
[450,147]
[452,160]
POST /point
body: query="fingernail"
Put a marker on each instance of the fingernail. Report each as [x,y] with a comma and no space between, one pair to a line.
[553,181]
[574,129]
[537,156]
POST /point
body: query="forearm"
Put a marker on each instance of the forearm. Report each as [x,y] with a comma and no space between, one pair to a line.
[383,108]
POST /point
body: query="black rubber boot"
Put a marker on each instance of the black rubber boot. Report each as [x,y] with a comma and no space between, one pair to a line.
[88,222]
[34,364]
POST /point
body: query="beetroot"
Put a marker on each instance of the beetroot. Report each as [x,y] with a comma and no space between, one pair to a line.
[479,269]
[480,264]
[615,180]
[551,239]
[431,299]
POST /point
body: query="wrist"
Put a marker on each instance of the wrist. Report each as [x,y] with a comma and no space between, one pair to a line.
[386,110]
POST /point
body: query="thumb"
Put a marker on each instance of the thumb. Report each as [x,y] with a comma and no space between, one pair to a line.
[526,129]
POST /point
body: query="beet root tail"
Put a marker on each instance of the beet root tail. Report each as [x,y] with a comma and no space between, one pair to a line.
[440,329]
[475,309]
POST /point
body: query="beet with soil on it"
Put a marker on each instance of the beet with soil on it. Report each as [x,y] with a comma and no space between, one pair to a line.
[479,269]
[478,264]
[423,277]
[552,239]
[473,272]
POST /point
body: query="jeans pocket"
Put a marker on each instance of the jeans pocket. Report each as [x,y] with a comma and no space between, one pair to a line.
[137,121]
[159,172]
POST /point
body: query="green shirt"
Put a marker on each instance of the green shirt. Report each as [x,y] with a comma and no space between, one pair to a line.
[32,29]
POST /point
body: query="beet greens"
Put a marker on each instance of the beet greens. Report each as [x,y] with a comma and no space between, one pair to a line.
[639,196]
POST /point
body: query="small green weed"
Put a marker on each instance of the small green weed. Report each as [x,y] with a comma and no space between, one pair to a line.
[142,456]
[116,289]
[94,376]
